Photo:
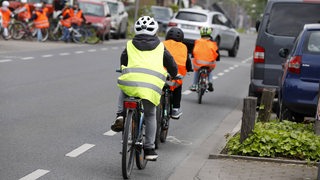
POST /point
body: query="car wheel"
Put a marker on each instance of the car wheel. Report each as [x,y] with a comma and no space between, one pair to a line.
[218,40]
[234,51]
[284,112]
[107,36]
[124,34]
[298,117]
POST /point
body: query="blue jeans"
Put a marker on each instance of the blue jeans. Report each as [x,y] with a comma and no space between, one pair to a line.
[39,35]
[65,34]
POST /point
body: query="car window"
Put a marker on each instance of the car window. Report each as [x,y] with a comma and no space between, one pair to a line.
[160,13]
[314,42]
[113,8]
[189,16]
[219,19]
[288,19]
[91,9]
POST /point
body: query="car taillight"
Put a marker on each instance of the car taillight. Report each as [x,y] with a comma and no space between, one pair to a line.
[172,24]
[294,64]
[258,55]
[130,104]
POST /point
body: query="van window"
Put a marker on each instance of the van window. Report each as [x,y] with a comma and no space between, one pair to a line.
[288,19]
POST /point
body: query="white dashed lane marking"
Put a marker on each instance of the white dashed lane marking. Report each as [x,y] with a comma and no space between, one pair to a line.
[79,52]
[64,54]
[35,175]
[92,50]
[47,55]
[110,133]
[5,60]
[27,58]
[80,150]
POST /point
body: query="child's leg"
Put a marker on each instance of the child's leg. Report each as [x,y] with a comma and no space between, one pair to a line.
[176,97]
[195,77]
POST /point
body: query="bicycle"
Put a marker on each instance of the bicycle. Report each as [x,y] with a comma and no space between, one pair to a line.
[21,29]
[78,35]
[133,136]
[164,110]
[203,80]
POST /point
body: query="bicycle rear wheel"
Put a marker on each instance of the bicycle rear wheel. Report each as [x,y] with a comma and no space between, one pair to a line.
[165,118]
[128,150]
[201,87]
[141,162]
[79,35]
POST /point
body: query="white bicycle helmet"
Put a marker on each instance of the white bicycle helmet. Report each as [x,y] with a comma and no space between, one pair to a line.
[38,5]
[146,25]
[24,1]
[5,4]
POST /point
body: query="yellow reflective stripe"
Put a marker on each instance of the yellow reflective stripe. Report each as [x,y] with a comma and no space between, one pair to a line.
[145,71]
[140,84]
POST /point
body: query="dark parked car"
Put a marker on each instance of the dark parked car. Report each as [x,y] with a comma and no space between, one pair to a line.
[298,92]
[281,23]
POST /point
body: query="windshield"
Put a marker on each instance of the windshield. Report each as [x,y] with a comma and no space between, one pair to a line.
[91,9]
[160,13]
[189,16]
[113,8]
[288,19]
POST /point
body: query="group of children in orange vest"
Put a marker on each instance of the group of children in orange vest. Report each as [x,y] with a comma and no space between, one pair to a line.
[69,16]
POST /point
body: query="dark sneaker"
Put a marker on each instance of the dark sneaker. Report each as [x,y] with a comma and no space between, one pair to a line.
[117,126]
[176,113]
[193,87]
[210,88]
[150,154]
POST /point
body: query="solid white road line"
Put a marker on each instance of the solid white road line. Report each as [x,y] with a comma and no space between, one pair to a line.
[5,60]
[80,150]
[110,133]
[35,175]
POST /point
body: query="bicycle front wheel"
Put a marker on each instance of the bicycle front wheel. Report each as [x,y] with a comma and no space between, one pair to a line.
[17,30]
[79,35]
[45,34]
[128,149]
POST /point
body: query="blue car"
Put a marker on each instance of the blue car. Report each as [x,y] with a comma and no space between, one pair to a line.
[299,84]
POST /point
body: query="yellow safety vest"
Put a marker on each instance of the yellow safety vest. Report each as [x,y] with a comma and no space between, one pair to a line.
[144,76]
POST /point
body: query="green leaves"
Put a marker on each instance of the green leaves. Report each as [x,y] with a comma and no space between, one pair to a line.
[278,139]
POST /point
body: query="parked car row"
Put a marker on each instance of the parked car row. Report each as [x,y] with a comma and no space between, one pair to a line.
[285,57]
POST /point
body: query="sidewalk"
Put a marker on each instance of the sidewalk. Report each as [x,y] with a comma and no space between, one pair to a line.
[206,163]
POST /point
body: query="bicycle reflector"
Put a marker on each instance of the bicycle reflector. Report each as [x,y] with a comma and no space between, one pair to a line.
[130,104]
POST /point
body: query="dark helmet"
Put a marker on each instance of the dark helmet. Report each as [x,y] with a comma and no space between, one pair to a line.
[175,34]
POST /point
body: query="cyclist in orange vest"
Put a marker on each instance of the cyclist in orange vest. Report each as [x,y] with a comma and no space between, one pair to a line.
[77,16]
[40,19]
[24,12]
[205,53]
[179,51]
[66,17]
[6,15]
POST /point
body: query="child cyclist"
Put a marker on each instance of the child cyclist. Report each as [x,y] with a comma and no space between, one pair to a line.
[205,53]
[179,51]
[143,75]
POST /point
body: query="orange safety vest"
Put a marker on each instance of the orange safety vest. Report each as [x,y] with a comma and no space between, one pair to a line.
[25,14]
[76,18]
[66,22]
[204,53]
[179,53]
[6,15]
[41,21]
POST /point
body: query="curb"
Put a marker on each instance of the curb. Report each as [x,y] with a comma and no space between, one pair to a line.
[251,158]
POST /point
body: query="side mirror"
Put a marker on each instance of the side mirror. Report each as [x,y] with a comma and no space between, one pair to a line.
[257,25]
[283,52]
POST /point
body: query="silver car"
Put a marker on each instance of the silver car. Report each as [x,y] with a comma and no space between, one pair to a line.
[119,19]
[190,20]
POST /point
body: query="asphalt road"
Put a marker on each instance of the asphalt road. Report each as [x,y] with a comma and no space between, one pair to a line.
[57,102]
